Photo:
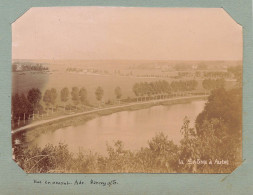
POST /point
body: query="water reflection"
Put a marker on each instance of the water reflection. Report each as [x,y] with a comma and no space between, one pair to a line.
[134,128]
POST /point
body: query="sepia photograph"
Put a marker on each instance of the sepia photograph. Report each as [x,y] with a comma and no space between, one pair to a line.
[126,90]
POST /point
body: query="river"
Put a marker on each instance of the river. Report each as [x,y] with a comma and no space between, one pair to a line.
[133,128]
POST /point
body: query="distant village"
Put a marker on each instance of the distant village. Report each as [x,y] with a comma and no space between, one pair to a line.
[21,67]
[154,71]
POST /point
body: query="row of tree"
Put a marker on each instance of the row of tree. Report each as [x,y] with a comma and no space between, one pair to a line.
[27,105]
[216,74]
[162,88]
[23,106]
[211,74]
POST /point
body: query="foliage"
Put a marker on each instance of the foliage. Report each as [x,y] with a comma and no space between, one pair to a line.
[225,106]
[50,158]
[163,88]
[21,107]
[118,92]
[25,107]
[217,134]
[34,96]
[164,153]
[75,95]
[211,84]
[99,93]
[83,95]
[53,96]
[64,96]
[50,97]
[237,72]
[47,97]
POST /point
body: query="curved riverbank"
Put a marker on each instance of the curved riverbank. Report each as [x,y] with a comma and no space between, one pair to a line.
[33,130]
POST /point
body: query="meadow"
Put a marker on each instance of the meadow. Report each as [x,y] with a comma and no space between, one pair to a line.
[23,82]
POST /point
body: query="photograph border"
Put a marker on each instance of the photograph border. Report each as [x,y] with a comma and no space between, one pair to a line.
[14,180]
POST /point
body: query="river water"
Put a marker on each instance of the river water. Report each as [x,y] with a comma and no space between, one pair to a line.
[134,128]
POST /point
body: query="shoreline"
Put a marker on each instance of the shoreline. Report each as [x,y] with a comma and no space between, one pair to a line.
[28,134]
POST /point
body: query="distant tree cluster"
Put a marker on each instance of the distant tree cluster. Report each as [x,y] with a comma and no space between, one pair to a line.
[49,97]
[202,67]
[182,67]
[162,88]
[29,67]
[210,84]
[187,85]
[205,74]
[237,72]
[24,106]
[184,74]
[216,74]
[74,69]
[78,96]
[89,70]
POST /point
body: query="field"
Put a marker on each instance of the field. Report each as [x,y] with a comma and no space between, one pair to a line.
[22,82]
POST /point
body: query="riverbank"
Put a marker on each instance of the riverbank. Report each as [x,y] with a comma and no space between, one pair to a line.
[160,155]
[29,134]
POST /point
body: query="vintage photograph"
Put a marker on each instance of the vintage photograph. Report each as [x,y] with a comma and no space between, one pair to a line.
[126,90]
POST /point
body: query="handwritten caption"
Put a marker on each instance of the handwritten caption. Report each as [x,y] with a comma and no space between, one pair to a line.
[77,182]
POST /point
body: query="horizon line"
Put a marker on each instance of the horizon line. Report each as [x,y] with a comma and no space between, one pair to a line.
[129,59]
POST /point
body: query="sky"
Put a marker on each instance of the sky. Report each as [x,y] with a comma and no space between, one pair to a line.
[98,33]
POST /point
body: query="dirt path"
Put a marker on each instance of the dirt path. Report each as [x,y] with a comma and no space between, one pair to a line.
[42,122]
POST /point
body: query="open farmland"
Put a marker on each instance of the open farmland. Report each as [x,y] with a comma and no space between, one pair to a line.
[23,82]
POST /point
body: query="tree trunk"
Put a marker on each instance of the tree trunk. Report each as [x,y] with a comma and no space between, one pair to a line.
[24,118]
[18,120]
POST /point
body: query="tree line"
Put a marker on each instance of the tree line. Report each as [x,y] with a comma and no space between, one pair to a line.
[161,89]
[25,106]
[211,84]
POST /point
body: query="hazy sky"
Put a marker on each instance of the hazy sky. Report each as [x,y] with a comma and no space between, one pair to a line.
[127,33]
